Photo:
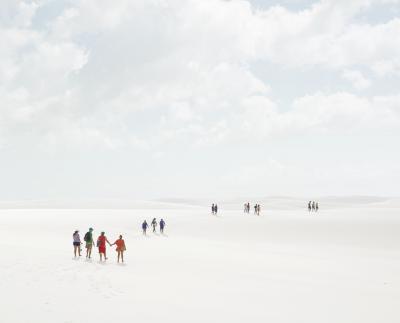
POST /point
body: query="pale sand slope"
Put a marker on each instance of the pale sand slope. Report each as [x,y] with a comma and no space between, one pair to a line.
[342,265]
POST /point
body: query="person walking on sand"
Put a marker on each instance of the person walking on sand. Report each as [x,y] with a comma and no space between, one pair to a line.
[258,209]
[88,238]
[144,227]
[101,243]
[216,209]
[77,243]
[162,226]
[313,206]
[309,206]
[316,207]
[120,247]
[213,209]
[154,224]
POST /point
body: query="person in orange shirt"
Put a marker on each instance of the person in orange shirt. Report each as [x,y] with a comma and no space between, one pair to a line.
[120,247]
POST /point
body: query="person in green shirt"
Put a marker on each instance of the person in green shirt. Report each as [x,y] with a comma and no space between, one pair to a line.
[89,242]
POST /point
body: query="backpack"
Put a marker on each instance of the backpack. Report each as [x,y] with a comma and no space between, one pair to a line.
[86,237]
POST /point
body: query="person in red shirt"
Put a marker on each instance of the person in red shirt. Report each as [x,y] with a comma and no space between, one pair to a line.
[120,247]
[101,243]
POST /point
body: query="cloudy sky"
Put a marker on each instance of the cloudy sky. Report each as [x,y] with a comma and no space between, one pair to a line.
[184,98]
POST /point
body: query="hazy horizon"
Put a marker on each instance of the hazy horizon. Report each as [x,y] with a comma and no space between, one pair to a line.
[268,203]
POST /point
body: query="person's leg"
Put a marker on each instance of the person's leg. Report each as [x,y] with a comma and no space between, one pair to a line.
[74,251]
[118,255]
[101,256]
[122,256]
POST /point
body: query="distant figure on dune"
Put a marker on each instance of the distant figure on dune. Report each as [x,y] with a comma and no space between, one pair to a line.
[101,243]
[258,209]
[213,209]
[88,238]
[144,227]
[120,247]
[313,205]
[309,206]
[77,243]
[162,225]
[255,208]
[154,224]
[316,207]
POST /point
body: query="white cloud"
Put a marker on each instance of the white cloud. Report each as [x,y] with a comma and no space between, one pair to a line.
[386,67]
[105,61]
[319,114]
[357,79]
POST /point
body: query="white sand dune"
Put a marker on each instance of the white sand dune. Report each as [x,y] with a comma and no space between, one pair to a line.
[287,265]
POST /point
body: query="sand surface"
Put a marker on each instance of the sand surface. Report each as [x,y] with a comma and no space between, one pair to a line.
[340,265]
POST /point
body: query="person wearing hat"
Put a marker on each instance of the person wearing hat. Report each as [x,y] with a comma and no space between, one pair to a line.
[101,243]
[89,242]
[77,243]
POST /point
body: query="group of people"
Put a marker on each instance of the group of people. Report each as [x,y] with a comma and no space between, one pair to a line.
[313,206]
[257,208]
[120,243]
[100,243]
[102,240]
[214,209]
[154,224]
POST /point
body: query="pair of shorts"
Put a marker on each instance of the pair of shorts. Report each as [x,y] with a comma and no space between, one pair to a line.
[89,244]
[102,249]
[76,243]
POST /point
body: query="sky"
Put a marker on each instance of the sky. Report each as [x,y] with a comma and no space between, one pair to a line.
[146,99]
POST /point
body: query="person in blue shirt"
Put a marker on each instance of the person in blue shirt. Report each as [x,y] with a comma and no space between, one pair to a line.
[144,227]
[162,225]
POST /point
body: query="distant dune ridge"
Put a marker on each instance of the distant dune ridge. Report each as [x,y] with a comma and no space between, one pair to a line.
[272,203]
